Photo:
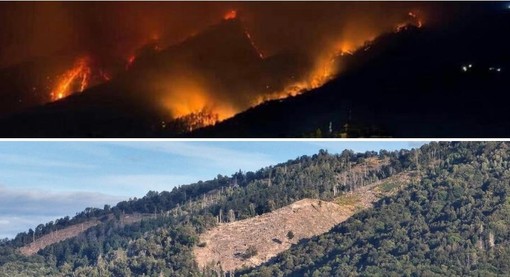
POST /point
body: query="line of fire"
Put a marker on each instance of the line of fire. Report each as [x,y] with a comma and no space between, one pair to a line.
[176,77]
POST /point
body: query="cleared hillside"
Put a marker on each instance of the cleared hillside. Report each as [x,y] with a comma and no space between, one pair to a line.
[164,243]
[453,222]
[227,246]
[70,232]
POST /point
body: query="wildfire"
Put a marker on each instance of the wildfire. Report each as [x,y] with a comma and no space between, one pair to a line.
[186,97]
[197,109]
[325,68]
[152,44]
[232,14]
[74,79]
[130,60]
[196,120]
[415,20]
[105,75]
[190,102]
[261,55]
[419,23]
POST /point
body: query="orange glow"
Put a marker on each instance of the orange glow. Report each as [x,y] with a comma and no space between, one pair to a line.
[186,97]
[193,103]
[152,42]
[415,21]
[155,37]
[325,68]
[232,14]
[419,22]
[261,55]
[130,60]
[345,47]
[105,75]
[74,79]
[189,100]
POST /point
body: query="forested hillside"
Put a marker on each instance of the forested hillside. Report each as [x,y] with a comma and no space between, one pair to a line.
[453,221]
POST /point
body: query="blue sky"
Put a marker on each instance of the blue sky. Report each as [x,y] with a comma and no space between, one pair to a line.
[45,180]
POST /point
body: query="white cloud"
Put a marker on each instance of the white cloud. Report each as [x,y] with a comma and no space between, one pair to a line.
[12,225]
[22,209]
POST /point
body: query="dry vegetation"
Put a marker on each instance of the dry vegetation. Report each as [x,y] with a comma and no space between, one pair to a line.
[70,232]
[57,236]
[227,245]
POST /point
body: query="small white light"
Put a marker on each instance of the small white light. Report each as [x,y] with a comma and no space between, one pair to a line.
[470,65]
[499,69]
[464,68]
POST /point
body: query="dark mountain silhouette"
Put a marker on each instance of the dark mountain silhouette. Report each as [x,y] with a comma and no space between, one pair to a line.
[447,81]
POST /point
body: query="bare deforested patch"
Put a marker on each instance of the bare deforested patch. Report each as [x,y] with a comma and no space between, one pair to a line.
[360,174]
[253,241]
[56,236]
[71,232]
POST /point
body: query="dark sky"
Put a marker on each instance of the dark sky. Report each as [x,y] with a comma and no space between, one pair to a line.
[31,29]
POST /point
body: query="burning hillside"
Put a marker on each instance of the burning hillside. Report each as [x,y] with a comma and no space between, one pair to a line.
[146,63]
[120,30]
[78,78]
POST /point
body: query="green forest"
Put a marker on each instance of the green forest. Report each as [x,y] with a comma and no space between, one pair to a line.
[453,221]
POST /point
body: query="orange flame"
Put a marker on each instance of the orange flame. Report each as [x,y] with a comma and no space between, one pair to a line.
[197,108]
[261,55]
[74,79]
[232,14]
[325,69]
[130,60]
[419,22]
[196,101]
[151,43]
[416,21]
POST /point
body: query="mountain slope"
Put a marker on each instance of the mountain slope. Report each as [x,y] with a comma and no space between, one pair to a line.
[451,218]
[218,68]
[403,84]
[455,222]
[181,215]
[225,246]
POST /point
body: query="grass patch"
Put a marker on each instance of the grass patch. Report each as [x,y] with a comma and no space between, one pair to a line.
[347,200]
[388,186]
